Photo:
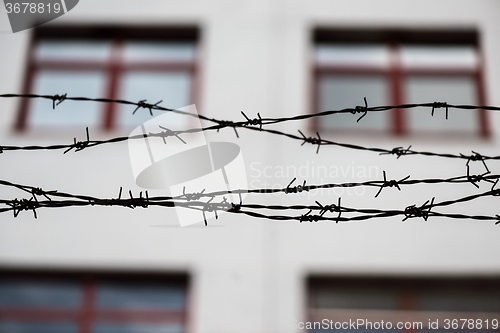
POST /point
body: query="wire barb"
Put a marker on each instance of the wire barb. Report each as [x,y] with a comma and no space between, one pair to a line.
[330,208]
[422,211]
[296,189]
[37,191]
[24,204]
[311,140]
[58,99]
[254,121]
[142,104]
[80,145]
[309,218]
[438,105]
[166,133]
[475,157]
[132,202]
[398,151]
[212,207]
[192,196]
[361,109]
[236,207]
[227,123]
[390,183]
[474,179]
[494,185]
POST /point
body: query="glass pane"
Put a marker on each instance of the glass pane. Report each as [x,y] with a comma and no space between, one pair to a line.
[27,293]
[348,54]
[347,91]
[453,90]
[72,50]
[137,328]
[355,299]
[37,327]
[140,296]
[459,301]
[439,56]
[144,51]
[75,84]
[173,88]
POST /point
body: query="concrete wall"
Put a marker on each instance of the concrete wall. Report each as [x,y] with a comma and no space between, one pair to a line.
[249,274]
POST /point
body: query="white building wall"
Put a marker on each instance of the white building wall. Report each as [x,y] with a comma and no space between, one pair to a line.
[249,274]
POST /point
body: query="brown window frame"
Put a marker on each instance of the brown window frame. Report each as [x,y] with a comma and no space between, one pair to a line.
[87,313]
[113,67]
[407,288]
[395,74]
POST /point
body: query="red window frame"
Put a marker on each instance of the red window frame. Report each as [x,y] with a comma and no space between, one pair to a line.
[114,67]
[408,290]
[395,73]
[87,314]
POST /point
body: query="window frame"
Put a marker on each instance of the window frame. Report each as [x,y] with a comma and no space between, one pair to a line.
[111,68]
[407,289]
[87,313]
[395,73]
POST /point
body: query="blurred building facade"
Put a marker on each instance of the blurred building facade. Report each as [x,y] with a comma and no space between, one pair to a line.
[104,269]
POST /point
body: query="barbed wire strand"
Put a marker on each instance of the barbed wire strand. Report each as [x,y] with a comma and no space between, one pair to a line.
[253,124]
[191,201]
[381,184]
[473,179]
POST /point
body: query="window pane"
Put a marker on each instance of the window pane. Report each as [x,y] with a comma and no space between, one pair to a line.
[137,328]
[144,51]
[347,54]
[75,84]
[173,88]
[438,56]
[33,293]
[72,50]
[34,327]
[355,299]
[459,301]
[408,302]
[347,91]
[454,90]
[140,296]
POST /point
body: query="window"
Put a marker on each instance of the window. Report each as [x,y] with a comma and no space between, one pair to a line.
[399,67]
[413,302]
[92,303]
[129,64]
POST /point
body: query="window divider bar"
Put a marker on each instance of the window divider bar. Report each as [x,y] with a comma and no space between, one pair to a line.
[396,86]
[87,310]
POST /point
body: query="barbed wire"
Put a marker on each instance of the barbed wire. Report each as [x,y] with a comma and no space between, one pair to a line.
[192,201]
[58,99]
[309,213]
[475,179]
[381,184]
[256,123]
[412,211]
